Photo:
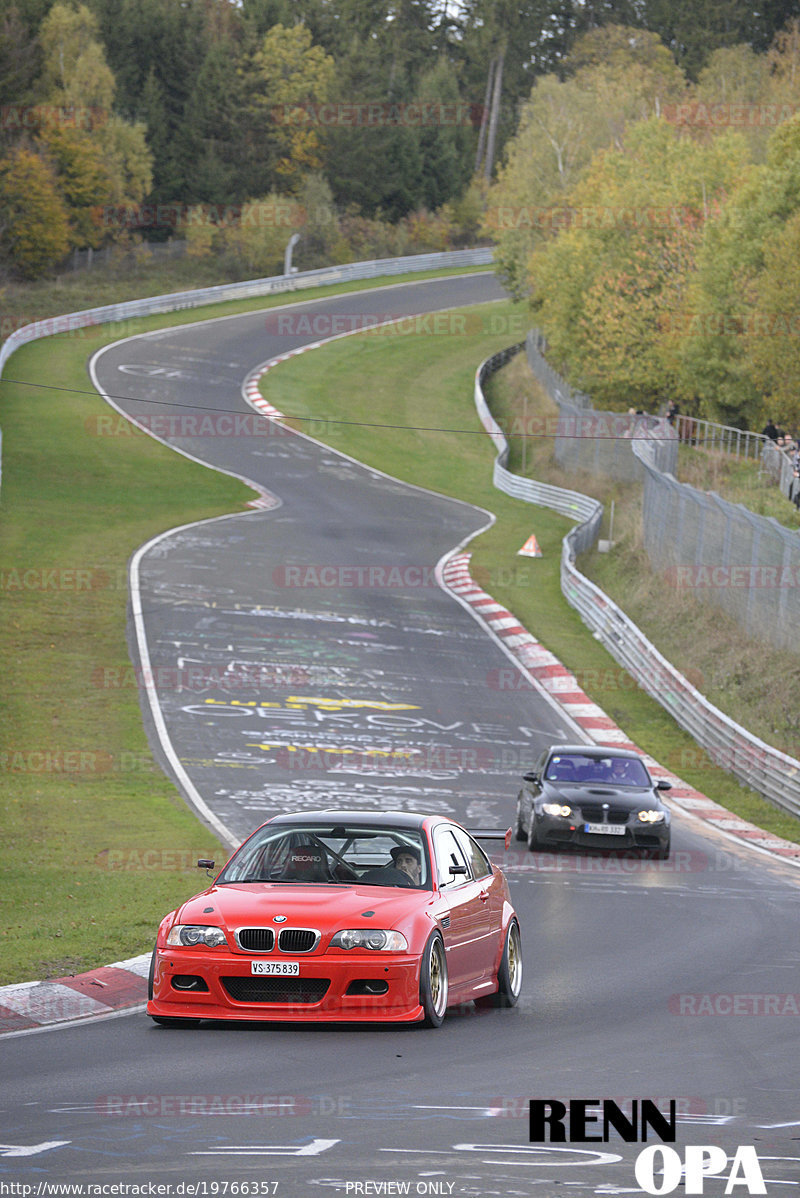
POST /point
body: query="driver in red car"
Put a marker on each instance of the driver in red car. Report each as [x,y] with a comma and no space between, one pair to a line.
[407,860]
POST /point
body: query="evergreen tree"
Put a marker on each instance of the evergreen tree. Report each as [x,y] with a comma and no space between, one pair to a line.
[20,61]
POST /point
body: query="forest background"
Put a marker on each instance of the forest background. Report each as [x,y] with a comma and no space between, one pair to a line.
[637,164]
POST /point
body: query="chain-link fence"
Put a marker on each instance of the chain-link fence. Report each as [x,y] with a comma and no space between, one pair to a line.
[719,552]
[599,442]
[722,553]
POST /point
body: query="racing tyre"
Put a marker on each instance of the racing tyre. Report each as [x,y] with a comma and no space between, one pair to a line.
[533,843]
[509,975]
[433,986]
[519,830]
[663,853]
[151,974]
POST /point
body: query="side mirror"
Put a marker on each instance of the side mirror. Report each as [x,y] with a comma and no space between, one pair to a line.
[531,777]
[205,863]
[662,784]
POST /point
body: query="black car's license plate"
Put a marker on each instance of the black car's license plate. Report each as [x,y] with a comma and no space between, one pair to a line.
[605,829]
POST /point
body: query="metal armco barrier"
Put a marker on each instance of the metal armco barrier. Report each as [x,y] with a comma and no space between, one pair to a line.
[275,284]
[767,770]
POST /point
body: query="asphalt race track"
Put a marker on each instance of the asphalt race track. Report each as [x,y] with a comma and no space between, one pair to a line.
[304,655]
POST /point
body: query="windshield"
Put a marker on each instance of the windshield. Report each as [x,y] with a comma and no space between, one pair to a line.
[316,853]
[609,771]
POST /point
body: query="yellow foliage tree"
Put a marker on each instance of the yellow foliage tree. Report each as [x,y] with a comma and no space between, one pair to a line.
[34,228]
[292,77]
[75,71]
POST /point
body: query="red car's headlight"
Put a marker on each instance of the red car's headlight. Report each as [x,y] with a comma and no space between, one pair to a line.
[189,935]
[377,939]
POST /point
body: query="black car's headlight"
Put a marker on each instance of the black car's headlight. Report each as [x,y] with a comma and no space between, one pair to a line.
[557,809]
[189,935]
[378,939]
[651,816]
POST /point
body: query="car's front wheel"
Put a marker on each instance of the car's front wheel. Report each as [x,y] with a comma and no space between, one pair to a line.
[433,984]
[533,842]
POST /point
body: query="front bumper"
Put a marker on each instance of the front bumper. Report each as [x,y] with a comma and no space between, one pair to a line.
[331,987]
[554,830]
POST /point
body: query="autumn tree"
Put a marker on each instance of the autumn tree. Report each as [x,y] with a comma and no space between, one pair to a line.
[610,289]
[292,77]
[99,159]
[771,333]
[34,228]
[82,180]
[75,70]
[614,77]
[733,278]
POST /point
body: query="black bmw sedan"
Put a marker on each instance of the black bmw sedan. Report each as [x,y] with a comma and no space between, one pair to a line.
[593,796]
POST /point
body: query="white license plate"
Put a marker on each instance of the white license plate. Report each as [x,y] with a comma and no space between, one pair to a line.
[284,969]
[605,829]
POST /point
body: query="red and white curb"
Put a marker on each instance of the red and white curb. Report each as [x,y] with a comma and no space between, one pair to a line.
[563,687]
[103,991]
[252,392]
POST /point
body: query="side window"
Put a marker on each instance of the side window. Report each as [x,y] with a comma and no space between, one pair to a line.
[448,853]
[476,858]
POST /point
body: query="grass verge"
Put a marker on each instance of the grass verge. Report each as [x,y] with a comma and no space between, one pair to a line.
[369,381]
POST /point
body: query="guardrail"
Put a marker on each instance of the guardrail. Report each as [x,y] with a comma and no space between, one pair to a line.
[568,503]
[767,770]
[224,292]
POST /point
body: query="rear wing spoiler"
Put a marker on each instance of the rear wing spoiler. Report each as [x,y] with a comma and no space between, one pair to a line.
[492,834]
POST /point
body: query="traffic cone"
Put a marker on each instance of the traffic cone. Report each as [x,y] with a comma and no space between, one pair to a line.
[530,548]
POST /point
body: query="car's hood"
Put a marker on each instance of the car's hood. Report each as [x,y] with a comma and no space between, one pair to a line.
[632,798]
[318,905]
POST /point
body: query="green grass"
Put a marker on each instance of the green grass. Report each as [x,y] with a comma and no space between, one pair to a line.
[417,384]
[99,845]
[79,789]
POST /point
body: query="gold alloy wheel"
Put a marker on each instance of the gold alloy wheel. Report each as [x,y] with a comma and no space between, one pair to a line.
[438,977]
